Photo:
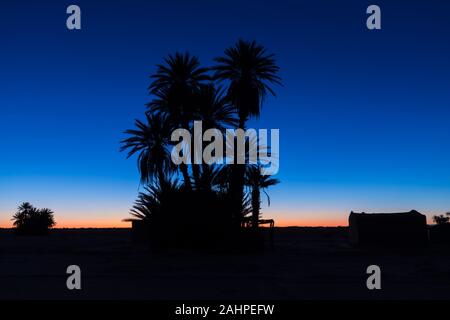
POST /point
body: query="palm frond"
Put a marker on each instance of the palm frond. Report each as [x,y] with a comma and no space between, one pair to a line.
[249,70]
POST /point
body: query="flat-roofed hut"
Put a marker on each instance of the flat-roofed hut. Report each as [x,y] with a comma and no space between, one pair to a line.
[388,229]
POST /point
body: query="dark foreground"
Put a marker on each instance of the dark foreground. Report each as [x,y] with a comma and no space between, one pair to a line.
[306,263]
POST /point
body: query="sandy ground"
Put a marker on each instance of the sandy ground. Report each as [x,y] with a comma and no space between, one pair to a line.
[306,263]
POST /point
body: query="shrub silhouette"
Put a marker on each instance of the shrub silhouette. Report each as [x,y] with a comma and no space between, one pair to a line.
[178,217]
[440,233]
[31,221]
[441,219]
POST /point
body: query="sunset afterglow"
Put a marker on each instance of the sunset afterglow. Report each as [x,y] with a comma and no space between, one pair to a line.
[352,134]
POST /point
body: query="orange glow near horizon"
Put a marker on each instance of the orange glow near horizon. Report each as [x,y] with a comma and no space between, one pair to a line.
[120,224]
[311,223]
[71,224]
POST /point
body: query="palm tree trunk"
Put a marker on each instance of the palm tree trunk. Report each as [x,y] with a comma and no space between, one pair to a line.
[256,205]
[161,176]
[186,178]
[242,121]
[238,177]
[237,190]
[195,167]
[196,174]
[183,166]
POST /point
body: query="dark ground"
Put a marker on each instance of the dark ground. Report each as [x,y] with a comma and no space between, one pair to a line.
[306,263]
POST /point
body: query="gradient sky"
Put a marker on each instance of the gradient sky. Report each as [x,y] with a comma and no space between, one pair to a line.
[363,115]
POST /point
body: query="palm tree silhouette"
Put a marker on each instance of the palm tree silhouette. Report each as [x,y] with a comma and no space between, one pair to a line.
[182,93]
[150,201]
[249,71]
[46,218]
[213,108]
[257,183]
[215,112]
[181,74]
[32,221]
[174,84]
[24,211]
[152,141]
[212,178]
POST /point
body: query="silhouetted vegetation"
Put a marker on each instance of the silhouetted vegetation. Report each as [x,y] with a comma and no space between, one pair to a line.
[257,182]
[441,219]
[31,221]
[440,233]
[248,70]
[210,202]
[180,217]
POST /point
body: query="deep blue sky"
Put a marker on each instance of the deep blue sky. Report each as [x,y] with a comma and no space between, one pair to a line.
[363,115]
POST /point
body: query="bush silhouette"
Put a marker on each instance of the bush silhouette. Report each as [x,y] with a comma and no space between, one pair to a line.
[441,219]
[177,217]
[29,220]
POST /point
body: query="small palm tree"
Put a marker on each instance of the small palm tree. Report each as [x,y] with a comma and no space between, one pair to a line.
[46,217]
[151,140]
[257,182]
[24,212]
[31,221]
[150,202]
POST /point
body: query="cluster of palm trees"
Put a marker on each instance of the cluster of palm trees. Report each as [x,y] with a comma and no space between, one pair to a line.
[225,95]
[29,220]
